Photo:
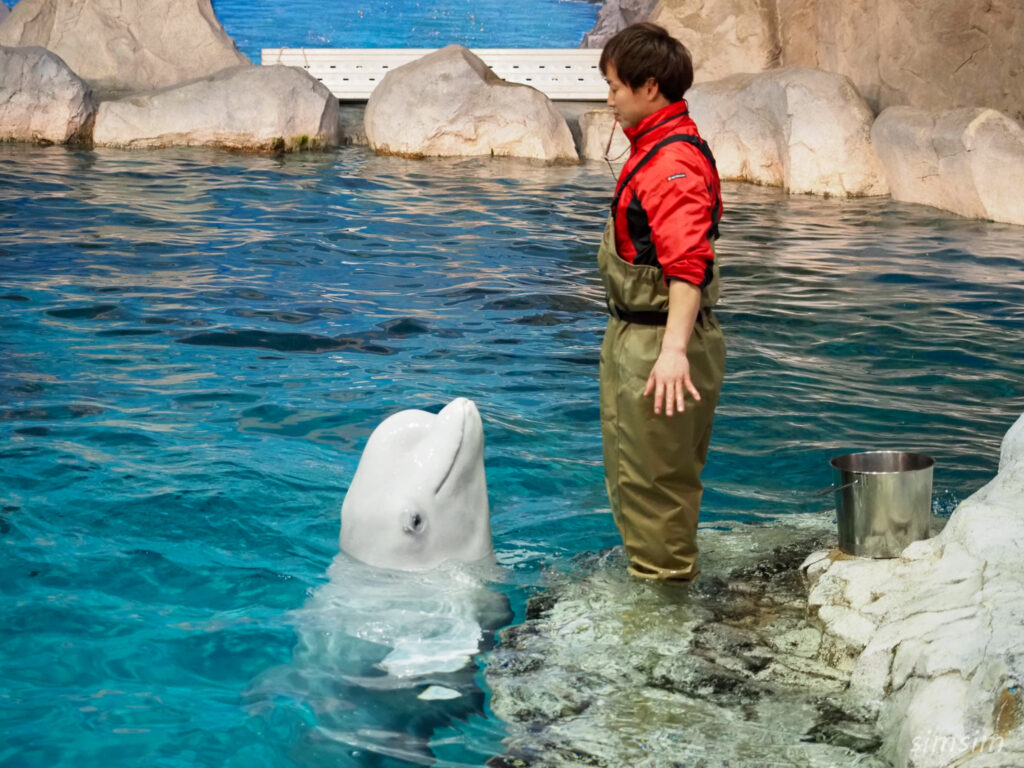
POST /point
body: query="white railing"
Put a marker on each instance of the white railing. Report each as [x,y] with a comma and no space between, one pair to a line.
[566,74]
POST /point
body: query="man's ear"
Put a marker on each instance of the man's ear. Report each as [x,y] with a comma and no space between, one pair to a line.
[651,89]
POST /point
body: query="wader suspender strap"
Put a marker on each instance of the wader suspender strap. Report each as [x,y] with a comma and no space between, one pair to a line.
[700,144]
[660,318]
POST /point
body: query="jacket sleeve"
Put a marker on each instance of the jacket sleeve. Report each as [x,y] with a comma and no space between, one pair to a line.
[676,193]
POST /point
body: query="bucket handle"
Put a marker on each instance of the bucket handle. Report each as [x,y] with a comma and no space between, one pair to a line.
[836,489]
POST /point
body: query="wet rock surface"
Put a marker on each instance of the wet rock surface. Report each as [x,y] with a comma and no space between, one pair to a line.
[610,671]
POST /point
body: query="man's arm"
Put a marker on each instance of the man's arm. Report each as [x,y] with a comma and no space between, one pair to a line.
[671,372]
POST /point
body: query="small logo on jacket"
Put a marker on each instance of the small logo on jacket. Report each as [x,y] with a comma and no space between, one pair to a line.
[677,176]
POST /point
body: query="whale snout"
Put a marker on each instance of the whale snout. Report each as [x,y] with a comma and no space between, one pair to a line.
[463,406]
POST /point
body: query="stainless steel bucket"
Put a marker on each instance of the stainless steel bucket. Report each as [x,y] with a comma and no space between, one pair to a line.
[883,501]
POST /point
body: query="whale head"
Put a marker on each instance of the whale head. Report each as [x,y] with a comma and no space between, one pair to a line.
[419,494]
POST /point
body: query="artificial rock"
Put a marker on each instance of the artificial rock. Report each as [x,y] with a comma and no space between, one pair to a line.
[41,99]
[612,670]
[968,161]
[932,54]
[272,108]
[120,47]
[942,668]
[724,37]
[802,129]
[614,16]
[596,125]
[450,103]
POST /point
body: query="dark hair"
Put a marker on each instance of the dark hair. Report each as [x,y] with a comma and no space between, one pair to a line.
[645,50]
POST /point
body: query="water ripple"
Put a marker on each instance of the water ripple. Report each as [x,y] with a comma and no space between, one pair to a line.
[195,345]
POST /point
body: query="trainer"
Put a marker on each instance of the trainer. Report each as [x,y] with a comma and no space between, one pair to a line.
[663,355]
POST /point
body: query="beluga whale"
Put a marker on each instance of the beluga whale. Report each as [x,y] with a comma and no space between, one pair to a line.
[386,646]
[419,494]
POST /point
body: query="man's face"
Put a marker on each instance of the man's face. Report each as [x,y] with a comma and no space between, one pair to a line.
[630,106]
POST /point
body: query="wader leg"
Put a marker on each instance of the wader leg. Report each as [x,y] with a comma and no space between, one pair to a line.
[653,463]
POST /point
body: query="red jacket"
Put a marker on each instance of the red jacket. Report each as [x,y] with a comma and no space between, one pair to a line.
[668,205]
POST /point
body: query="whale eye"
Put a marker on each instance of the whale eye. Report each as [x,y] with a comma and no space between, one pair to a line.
[414,524]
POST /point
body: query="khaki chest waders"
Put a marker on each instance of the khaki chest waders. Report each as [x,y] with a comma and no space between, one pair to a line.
[652,464]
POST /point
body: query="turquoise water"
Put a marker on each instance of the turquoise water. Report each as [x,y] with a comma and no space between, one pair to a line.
[195,344]
[256,24]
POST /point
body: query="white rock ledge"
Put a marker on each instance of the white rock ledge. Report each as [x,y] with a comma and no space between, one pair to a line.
[247,107]
[934,637]
[41,99]
[968,161]
[450,103]
[805,130]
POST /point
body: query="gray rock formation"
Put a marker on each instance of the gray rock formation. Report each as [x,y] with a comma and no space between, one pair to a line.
[120,47]
[608,670]
[41,99]
[449,103]
[969,161]
[245,107]
[4,12]
[933,638]
[802,129]
[616,15]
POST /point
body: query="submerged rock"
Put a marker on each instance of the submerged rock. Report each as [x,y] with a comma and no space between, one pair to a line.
[608,670]
[253,108]
[940,662]
[450,103]
[41,99]
[120,47]
[805,130]
[968,161]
